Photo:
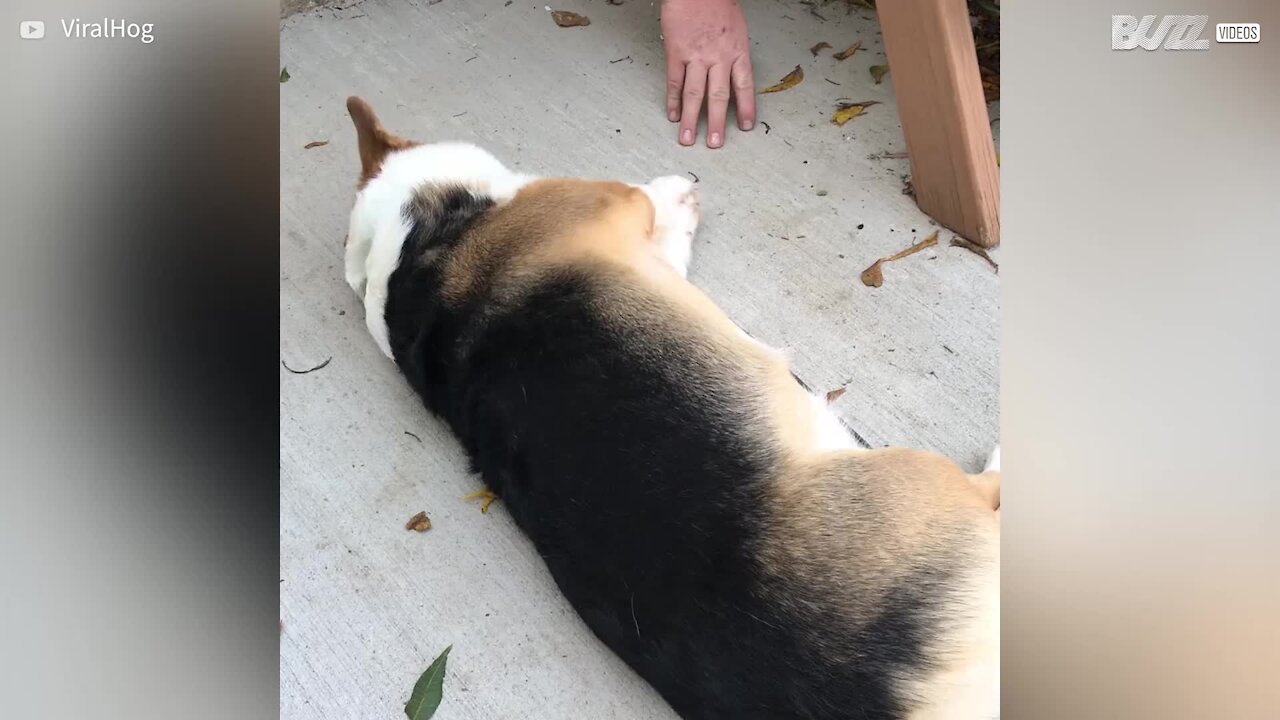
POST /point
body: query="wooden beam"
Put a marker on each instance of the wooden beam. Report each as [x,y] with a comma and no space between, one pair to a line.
[934,69]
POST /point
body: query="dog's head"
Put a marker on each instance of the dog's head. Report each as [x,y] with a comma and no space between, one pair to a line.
[402,184]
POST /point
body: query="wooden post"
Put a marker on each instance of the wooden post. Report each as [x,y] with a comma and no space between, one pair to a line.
[934,69]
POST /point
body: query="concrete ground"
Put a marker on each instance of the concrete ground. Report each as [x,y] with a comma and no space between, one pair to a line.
[791,217]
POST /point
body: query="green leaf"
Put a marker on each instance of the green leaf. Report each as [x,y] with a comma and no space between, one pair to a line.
[878,72]
[284,74]
[429,690]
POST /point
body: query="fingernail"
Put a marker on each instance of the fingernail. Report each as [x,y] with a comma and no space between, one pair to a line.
[714,140]
[673,116]
[686,136]
[747,125]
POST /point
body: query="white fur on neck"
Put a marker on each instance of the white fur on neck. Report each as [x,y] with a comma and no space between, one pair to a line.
[379,225]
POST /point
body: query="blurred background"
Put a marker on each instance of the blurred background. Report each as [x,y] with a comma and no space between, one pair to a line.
[1140,567]
[138,426]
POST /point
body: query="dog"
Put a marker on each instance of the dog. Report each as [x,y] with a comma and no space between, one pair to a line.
[710,520]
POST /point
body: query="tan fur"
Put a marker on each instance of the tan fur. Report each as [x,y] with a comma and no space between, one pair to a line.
[909,507]
[548,223]
[904,505]
[988,486]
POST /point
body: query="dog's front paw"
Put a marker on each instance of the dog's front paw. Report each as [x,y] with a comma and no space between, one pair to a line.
[676,212]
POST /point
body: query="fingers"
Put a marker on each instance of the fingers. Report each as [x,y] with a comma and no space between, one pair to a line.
[744,93]
[688,85]
[675,84]
[717,104]
[695,85]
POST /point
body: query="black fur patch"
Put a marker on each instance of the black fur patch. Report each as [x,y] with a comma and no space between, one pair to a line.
[635,467]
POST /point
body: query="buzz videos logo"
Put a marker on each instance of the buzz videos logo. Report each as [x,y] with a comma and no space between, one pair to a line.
[1175,32]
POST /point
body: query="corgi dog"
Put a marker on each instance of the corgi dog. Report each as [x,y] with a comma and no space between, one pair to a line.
[710,520]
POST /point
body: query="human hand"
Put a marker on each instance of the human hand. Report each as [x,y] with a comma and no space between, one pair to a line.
[708,51]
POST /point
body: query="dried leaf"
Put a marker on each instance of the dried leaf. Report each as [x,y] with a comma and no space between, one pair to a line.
[566,18]
[873,277]
[822,193]
[834,395]
[878,72]
[284,75]
[429,690]
[927,242]
[315,144]
[792,79]
[848,111]
[976,250]
[419,522]
[848,52]
[818,48]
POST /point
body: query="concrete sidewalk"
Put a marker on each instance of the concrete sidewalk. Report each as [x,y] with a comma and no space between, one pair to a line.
[790,219]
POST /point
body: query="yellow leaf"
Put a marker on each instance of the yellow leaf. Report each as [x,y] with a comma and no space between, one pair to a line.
[486,496]
[848,52]
[791,80]
[848,111]
[878,72]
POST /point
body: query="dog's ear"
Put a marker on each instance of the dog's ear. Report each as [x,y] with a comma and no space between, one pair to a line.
[375,141]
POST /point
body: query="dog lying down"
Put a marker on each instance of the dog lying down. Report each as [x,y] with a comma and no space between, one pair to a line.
[711,521]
